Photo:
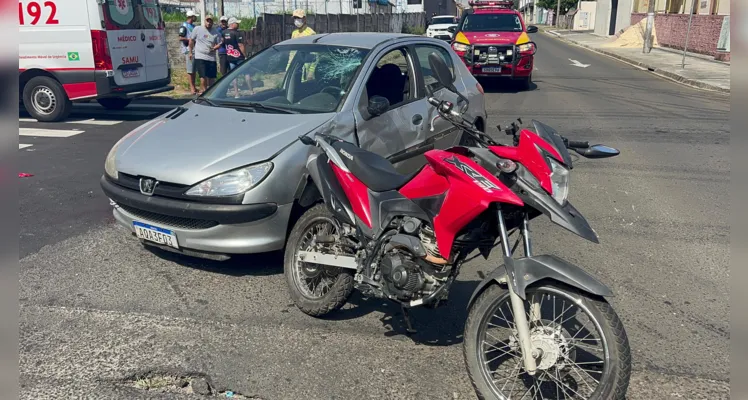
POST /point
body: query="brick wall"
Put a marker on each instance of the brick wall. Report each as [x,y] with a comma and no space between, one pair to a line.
[273,28]
[671,32]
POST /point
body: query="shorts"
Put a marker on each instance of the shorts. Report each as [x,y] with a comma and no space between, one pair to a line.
[206,69]
[189,64]
[223,63]
[233,64]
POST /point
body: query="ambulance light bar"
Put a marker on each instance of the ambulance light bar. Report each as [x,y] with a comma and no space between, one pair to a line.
[491,4]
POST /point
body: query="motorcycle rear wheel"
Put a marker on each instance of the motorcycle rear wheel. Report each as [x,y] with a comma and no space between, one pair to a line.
[338,282]
[560,348]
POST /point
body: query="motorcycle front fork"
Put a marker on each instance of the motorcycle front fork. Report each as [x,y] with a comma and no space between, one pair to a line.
[518,306]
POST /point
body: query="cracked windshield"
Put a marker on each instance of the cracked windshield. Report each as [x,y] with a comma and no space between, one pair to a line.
[302,78]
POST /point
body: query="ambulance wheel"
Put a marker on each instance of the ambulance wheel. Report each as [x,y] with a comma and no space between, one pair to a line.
[114,103]
[46,100]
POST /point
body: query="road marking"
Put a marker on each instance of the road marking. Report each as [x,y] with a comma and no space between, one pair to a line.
[91,121]
[23,146]
[48,132]
[578,64]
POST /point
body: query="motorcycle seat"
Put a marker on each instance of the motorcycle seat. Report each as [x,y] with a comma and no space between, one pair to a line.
[371,169]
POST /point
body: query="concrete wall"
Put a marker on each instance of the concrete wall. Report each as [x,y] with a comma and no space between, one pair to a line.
[603,14]
[585,17]
[671,32]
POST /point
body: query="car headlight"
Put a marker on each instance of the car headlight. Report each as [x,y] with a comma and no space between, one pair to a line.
[460,46]
[109,167]
[232,182]
[559,182]
[525,47]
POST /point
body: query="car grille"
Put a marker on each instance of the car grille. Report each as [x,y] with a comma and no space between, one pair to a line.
[168,220]
[491,54]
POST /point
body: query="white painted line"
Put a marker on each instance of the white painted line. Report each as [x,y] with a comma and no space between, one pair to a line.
[48,132]
[91,121]
[23,146]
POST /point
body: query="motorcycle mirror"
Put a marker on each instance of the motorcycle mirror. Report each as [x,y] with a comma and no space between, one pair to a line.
[441,72]
[598,151]
[306,140]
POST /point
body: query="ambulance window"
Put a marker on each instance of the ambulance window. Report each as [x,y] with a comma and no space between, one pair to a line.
[121,12]
[152,13]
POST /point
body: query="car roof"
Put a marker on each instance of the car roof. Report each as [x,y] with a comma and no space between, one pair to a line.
[365,40]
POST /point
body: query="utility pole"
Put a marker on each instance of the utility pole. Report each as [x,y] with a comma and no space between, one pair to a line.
[688,33]
[650,25]
[558,13]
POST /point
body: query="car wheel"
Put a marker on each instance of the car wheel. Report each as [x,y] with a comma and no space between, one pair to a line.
[45,99]
[114,103]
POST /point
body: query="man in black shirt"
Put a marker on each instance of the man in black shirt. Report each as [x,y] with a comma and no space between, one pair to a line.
[233,39]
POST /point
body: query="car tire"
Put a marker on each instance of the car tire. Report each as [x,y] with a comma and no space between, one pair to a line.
[114,103]
[45,99]
[525,83]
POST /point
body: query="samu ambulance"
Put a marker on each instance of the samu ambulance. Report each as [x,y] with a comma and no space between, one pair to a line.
[108,50]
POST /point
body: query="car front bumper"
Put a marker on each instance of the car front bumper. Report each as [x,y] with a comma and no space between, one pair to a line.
[443,35]
[202,229]
[519,66]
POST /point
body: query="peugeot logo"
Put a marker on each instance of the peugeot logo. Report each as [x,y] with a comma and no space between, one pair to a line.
[142,37]
[147,186]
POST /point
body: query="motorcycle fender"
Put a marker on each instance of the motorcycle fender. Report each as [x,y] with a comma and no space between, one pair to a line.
[329,188]
[523,272]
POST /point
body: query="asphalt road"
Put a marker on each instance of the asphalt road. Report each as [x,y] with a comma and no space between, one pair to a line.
[98,309]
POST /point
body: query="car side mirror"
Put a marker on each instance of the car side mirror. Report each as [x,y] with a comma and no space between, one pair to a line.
[452,29]
[378,105]
[441,72]
[532,29]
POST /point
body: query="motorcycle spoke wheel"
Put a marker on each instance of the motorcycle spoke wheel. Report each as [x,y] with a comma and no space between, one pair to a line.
[314,281]
[570,350]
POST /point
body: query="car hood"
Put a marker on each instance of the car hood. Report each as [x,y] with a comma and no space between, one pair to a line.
[441,26]
[205,141]
[492,37]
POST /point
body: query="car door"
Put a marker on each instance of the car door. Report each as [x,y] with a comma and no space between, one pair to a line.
[156,54]
[126,41]
[401,126]
[439,132]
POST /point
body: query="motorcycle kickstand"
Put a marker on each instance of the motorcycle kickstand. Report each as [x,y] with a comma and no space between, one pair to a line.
[406,316]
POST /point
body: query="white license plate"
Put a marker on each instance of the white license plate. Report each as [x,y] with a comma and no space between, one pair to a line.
[491,70]
[155,234]
[130,73]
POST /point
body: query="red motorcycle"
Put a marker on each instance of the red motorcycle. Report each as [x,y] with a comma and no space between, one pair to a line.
[537,325]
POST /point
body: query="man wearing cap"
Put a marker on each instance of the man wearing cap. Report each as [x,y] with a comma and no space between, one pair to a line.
[223,25]
[204,41]
[302,29]
[233,41]
[184,39]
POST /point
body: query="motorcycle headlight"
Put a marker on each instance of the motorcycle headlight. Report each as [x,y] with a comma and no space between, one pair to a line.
[559,182]
[460,47]
[232,182]
[109,167]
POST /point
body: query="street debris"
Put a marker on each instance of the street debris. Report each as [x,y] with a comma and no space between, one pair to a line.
[24,175]
[200,386]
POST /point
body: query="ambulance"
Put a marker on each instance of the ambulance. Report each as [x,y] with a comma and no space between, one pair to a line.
[110,51]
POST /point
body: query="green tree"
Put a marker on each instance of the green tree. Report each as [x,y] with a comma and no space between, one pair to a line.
[551,4]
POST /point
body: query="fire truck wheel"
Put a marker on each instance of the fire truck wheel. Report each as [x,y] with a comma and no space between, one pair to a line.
[46,100]
[114,103]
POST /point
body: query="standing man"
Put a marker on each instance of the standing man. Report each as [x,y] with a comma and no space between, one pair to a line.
[233,42]
[299,21]
[204,42]
[223,25]
[184,39]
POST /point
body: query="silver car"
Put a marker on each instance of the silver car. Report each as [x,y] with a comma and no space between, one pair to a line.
[225,174]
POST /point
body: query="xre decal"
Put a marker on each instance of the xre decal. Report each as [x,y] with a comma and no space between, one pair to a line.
[477,177]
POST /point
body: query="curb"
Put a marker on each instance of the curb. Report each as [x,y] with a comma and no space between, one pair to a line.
[667,74]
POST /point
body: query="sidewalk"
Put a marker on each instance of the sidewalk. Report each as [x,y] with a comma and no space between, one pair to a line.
[699,72]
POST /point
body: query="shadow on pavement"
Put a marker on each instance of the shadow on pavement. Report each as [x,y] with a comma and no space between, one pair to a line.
[263,264]
[504,85]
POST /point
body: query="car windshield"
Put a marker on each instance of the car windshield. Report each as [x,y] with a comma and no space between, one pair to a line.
[492,23]
[307,78]
[442,20]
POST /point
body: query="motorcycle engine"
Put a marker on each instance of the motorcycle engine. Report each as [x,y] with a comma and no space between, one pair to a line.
[402,277]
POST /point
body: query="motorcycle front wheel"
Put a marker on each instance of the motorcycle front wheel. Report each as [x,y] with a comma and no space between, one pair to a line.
[315,289]
[579,344]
